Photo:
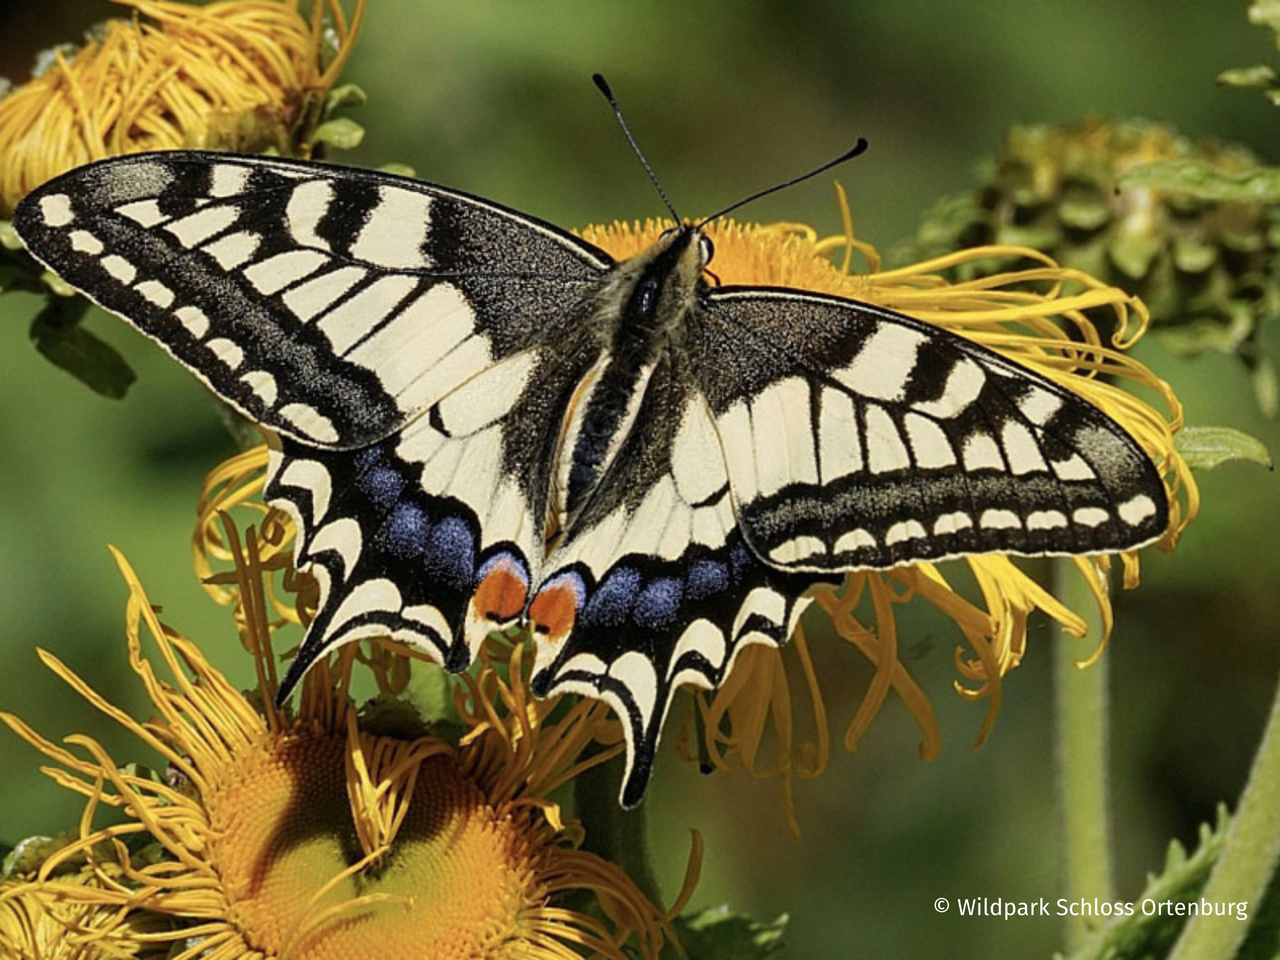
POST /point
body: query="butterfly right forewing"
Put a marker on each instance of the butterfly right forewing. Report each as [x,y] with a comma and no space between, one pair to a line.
[858,437]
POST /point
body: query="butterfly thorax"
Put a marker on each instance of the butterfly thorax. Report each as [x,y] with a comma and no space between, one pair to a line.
[640,311]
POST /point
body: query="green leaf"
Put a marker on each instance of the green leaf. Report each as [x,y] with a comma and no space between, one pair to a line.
[1133,252]
[57,284]
[347,95]
[1266,386]
[1207,447]
[1151,933]
[1191,337]
[29,854]
[1265,13]
[718,934]
[1257,76]
[58,334]
[1083,214]
[399,169]
[341,132]
[431,691]
[1204,181]
[9,236]
[1263,939]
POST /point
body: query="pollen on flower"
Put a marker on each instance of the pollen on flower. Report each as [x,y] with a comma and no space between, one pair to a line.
[453,884]
[309,836]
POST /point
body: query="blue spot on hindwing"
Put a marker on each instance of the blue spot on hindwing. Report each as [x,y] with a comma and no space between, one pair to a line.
[366,457]
[404,532]
[610,605]
[705,578]
[658,603]
[381,484]
[451,554]
[507,557]
[740,561]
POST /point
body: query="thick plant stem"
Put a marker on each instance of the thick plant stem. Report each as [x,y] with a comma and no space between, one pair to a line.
[1248,858]
[1081,729]
[613,833]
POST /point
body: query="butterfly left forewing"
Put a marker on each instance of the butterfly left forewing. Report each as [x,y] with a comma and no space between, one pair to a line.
[857,437]
[330,304]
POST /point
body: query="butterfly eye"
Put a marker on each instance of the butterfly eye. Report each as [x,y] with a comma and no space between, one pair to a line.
[707,248]
[668,233]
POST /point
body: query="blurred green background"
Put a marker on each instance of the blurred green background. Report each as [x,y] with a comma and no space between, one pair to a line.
[494,98]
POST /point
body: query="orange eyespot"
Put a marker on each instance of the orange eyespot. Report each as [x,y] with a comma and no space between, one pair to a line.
[502,593]
[554,610]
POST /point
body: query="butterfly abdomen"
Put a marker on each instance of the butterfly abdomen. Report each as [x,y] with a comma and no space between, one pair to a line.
[640,309]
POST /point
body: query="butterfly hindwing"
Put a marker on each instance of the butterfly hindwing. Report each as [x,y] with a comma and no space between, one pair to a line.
[857,437]
[331,304]
[654,586]
[434,535]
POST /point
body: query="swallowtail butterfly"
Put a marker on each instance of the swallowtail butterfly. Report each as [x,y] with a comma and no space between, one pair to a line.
[483,420]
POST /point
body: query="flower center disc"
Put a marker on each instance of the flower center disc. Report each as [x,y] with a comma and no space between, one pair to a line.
[462,872]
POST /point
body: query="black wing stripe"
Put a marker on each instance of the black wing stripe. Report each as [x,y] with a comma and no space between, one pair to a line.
[249,268]
[939,447]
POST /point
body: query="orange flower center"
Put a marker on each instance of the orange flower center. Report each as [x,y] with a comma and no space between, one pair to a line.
[454,884]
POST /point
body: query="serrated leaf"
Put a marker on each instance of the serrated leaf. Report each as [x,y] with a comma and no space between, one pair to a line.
[347,95]
[1207,447]
[58,334]
[1256,76]
[341,132]
[1197,178]
[719,934]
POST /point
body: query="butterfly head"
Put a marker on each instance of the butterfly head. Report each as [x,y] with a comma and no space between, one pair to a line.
[693,238]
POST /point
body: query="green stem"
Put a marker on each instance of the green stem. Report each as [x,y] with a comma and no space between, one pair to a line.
[611,832]
[1082,715]
[1248,857]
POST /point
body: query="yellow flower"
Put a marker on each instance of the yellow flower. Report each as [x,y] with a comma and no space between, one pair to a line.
[336,833]
[1036,315]
[237,74]
[38,923]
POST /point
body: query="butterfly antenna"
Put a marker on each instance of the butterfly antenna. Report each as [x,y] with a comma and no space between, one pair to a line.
[603,86]
[849,154]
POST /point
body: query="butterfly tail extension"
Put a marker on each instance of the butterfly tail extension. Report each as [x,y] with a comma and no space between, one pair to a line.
[407,568]
[649,627]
